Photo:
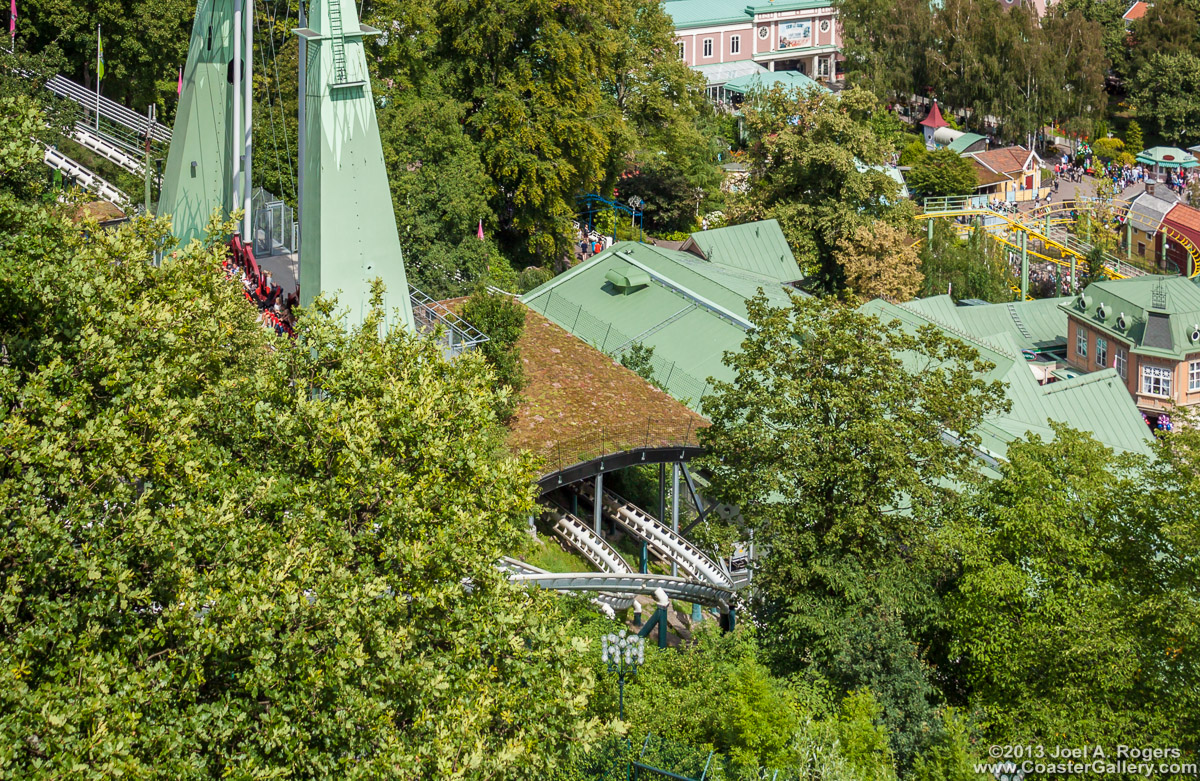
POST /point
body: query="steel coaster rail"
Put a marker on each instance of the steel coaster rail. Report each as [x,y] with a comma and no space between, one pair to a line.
[86,179]
[644,527]
[590,545]
[620,439]
[514,567]
[128,118]
[707,594]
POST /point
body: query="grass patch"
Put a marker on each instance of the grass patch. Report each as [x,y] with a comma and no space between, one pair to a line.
[550,556]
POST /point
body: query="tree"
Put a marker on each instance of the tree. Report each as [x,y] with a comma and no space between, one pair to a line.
[830,440]
[818,169]
[1108,149]
[912,152]
[885,45]
[1133,137]
[227,552]
[502,320]
[1167,91]
[879,261]
[942,172]
[974,268]
[1166,28]
[1063,623]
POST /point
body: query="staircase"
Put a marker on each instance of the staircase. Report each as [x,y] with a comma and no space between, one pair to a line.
[339,43]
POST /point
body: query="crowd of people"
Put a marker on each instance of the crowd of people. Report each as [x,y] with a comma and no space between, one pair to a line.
[275,307]
[1122,176]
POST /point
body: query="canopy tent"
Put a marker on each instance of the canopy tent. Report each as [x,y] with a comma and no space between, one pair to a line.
[1166,158]
[765,80]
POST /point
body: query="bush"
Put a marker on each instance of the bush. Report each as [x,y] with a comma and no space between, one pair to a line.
[502,320]
[914,151]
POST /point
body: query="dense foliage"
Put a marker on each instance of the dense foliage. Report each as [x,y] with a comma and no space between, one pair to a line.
[226,552]
[816,165]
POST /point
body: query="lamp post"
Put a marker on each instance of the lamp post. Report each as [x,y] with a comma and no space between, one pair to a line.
[622,652]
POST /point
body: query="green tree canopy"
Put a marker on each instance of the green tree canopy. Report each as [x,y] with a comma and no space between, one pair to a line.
[816,167]
[942,172]
[1167,91]
[830,440]
[230,553]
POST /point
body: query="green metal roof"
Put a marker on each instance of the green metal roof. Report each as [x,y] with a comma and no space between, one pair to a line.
[702,13]
[1167,157]
[1096,403]
[789,80]
[1160,314]
[965,141]
[1033,325]
[691,313]
[757,247]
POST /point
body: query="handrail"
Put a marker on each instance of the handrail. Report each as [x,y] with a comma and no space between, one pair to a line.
[609,440]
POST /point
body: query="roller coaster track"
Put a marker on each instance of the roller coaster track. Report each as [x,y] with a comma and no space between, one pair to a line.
[683,589]
[88,139]
[1040,223]
[665,542]
[590,545]
[562,582]
[86,179]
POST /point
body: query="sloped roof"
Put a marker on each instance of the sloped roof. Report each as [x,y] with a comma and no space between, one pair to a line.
[765,80]
[1167,157]
[1184,216]
[1146,211]
[691,312]
[934,118]
[986,175]
[572,391]
[1006,160]
[1136,11]
[701,13]
[757,247]
[1033,325]
[1160,313]
[964,142]
[723,72]
[1096,403]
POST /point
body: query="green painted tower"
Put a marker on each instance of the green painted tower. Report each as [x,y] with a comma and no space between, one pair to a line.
[198,177]
[348,231]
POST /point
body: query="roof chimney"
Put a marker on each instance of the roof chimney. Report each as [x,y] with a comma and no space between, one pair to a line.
[1150,188]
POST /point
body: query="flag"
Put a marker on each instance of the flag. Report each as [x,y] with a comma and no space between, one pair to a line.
[12,20]
[479,233]
[179,89]
[99,55]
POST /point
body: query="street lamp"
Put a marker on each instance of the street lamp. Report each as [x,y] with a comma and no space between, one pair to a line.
[622,652]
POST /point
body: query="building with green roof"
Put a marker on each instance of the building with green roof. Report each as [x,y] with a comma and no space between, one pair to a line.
[690,306]
[1095,403]
[1147,329]
[780,35]
[766,80]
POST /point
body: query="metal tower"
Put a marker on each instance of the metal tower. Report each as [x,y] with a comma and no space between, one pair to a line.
[198,178]
[348,231]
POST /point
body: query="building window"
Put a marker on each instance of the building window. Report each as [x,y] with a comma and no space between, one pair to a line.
[1081,343]
[1121,362]
[763,32]
[1101,352]
[1156,381]
[823,66]
[824,25]
[680,44]
[1194,376]
[708,47]
[1142,249]
[735,44]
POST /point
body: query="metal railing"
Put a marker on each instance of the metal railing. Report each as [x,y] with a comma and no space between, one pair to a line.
[609,440]
[109,109]
[431,318]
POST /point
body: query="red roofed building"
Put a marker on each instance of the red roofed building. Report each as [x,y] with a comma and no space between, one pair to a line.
[932,121]
[1185,220]
[1135,12]
[1012,173]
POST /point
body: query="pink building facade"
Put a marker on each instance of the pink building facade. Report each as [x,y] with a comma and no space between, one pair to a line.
[801,35]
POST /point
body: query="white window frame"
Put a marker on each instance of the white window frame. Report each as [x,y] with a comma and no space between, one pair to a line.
[1081,343]
[735,44]
[1121,359]
[822,66]
[706,49]
[1194,376]
[1101,352]
[1156,381]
